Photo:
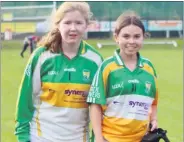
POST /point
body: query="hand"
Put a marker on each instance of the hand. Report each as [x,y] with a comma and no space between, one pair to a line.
[101,140]
[154,125]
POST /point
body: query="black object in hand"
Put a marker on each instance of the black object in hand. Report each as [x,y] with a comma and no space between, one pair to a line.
[155,136]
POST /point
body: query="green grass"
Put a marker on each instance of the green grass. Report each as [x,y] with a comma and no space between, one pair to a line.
[167,60]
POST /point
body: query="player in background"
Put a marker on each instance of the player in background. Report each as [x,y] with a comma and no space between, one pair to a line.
[51,105]
[123,96]
[29,41]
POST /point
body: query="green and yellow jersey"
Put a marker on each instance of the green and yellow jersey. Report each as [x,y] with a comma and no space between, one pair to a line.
[125,96]
[52,96]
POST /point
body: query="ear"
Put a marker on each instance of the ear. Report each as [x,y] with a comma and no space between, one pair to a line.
[116,37]
[86,29]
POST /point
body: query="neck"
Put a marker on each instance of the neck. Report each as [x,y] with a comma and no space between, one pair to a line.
[70,50]
[128,58]
[130,61]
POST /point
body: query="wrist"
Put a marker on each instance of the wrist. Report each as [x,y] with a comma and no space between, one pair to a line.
[99,138]
[155,119]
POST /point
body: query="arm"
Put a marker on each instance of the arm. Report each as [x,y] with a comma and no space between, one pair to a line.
[24,107]
[97,99]
[153,110]
[96,120]
[153,117]
[153,120]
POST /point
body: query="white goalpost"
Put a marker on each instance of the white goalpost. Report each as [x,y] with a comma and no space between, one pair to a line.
[174,43]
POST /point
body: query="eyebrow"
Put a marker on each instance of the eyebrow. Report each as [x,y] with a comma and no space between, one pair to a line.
[129,34]
[137,34]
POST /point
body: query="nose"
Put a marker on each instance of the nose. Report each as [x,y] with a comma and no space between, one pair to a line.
[131,40]
[73,27]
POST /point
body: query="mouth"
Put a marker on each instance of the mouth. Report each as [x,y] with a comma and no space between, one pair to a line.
[131,47]
[72,35]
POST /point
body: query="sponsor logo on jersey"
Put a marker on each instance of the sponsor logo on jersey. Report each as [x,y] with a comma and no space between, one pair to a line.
[53,72]
[86,74]
[118,85]
[116,102]
[69,92]
[133,81]
[94,92]
[148,87]
[70,69]
[139,104]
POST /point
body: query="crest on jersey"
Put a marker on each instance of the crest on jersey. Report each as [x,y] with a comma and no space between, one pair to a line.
[148,87]
[86,74]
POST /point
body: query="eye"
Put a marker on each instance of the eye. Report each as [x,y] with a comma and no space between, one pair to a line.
[67,22]
[126,36]
[137,36]
[79,22]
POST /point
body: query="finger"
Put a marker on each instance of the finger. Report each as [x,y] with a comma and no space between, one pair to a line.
[154,126]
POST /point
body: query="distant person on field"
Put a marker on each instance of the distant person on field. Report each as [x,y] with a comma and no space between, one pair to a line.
[123,96]
[31,42]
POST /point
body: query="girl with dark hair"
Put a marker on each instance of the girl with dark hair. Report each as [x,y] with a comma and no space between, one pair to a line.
[123,96]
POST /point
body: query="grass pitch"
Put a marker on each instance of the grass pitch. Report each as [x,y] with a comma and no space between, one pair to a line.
[167,60]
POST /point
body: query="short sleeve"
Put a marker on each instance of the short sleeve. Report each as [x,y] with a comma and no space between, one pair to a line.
[97,90]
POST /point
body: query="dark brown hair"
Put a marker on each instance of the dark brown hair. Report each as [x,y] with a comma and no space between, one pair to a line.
[128,18]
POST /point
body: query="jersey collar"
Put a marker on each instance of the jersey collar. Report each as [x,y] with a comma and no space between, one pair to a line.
[82,48]
[120,62]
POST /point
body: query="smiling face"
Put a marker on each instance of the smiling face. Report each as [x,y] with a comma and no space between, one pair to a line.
[130,39]
[72,27]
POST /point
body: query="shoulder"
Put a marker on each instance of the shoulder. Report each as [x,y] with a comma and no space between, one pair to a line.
[92,54]
[148,64]
[40,55]
[43,54]
[107,63]
[33,60]
[147,61]
[92,49]
[38,51]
